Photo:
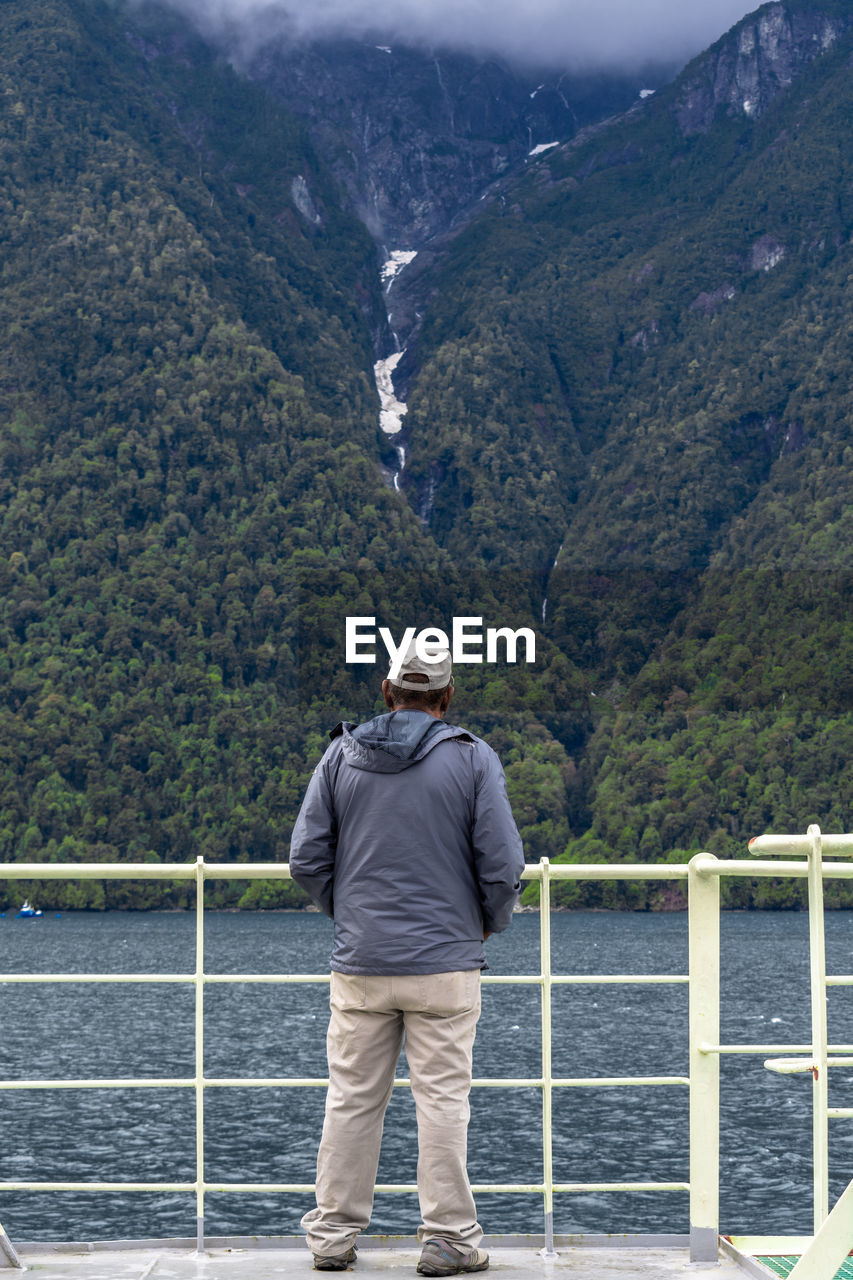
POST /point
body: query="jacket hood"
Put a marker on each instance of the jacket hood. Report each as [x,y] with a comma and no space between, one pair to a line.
[392,742]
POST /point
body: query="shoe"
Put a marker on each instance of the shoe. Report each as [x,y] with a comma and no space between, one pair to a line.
[334,1261]
[440,1258]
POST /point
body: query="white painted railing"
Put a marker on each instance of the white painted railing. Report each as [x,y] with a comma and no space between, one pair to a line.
[701,877]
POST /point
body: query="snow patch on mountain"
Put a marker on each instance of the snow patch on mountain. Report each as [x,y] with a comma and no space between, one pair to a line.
[392,410]
[392,267]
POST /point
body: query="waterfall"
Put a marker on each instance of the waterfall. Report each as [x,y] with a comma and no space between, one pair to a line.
[391,409]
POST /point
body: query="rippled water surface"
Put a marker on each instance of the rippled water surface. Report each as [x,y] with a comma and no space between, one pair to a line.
[77,1031]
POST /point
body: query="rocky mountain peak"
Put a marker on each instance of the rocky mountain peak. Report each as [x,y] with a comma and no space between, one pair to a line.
[758,58]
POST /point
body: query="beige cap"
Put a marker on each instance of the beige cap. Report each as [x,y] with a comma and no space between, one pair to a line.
[436,668]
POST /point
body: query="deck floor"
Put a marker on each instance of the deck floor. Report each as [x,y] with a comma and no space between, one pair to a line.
[153,1262]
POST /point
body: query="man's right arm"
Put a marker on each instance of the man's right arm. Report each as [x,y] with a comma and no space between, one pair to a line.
[314,841]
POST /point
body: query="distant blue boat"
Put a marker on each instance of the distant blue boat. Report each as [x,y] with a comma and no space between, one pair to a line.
[27,912]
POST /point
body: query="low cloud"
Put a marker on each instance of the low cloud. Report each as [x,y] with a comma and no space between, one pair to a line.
[576,33]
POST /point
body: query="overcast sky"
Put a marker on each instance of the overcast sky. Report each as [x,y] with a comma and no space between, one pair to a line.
[591,33]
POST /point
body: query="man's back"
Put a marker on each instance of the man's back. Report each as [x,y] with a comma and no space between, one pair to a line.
[426,854]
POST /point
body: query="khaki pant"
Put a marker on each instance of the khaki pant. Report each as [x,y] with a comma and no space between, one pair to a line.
[438,1013]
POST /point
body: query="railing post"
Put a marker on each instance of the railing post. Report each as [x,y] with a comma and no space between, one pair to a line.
[8,1252]
[817,963]
[704,969]
[199,1053]
[547,1091]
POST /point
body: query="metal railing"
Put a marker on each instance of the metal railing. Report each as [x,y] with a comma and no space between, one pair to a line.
[702,880]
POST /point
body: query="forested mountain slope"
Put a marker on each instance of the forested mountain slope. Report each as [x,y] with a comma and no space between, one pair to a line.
[191,499]
[629,428]
[187,411]
[665,348]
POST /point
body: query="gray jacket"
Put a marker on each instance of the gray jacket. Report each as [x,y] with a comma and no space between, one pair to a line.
[406,839]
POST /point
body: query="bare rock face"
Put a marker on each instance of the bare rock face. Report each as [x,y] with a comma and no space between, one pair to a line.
[745,70]
[710,301]
[766,253]
[417,136]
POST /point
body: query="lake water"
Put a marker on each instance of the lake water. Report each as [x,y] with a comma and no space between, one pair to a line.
[265,1135]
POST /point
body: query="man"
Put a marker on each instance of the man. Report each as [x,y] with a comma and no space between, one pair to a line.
[406,839]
